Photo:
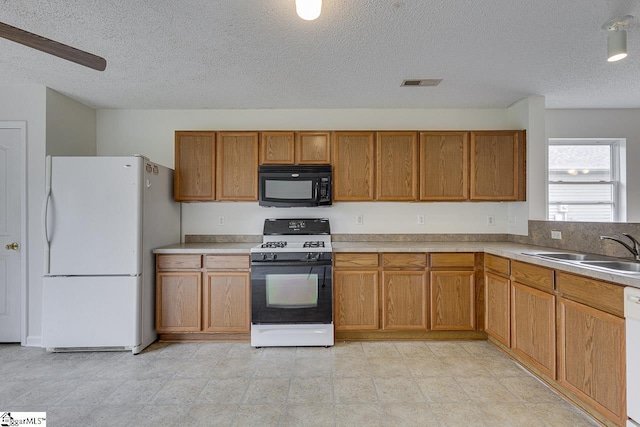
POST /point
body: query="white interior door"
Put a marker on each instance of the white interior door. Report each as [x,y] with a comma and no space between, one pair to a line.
[11,229]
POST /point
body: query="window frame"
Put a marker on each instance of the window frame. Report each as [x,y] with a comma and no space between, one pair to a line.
[616,179]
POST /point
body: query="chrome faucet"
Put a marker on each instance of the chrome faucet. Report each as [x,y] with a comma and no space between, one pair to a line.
[635,249]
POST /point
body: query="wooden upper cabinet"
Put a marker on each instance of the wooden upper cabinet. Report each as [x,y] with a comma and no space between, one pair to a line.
[313,148]
[237,166]
[276,148]
[353,166]
[397,166]
[194,177]
[444,166]
[497,165]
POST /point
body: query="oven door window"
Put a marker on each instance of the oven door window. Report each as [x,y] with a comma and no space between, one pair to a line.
[281,189]
[292,290]
[291,294]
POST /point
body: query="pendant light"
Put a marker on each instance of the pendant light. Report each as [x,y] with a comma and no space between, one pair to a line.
[616,45]
[308,9]
[617,37]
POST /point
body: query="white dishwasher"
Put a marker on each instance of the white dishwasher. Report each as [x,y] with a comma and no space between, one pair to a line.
[632,318]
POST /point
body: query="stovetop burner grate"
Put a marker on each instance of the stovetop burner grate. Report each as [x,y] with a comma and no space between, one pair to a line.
[313,244]
[272,245]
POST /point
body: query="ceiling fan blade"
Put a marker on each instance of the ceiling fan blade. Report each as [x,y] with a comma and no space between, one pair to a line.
[52,47]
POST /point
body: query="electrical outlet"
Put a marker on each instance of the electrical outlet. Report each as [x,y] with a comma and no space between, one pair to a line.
[360,219]
[491,220]
[220,220]
[420,219]
[556,234]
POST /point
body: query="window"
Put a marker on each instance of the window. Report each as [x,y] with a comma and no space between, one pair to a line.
[584,180]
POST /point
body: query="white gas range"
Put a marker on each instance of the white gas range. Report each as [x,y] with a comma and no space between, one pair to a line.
[291,284]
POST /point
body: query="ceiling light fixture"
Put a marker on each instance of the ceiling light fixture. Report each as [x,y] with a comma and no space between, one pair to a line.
[308,9]
[617,38]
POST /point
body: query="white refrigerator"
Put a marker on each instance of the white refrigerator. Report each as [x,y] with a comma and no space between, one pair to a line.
[102,217]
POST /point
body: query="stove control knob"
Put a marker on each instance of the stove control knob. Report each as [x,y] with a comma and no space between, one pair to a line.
[264,257]
[308,255]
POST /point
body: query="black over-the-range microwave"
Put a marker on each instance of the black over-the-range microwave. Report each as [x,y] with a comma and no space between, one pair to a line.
[294,185]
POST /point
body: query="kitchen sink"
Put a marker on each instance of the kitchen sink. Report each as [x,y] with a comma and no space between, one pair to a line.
[620,266]
[567,256]
[591,260]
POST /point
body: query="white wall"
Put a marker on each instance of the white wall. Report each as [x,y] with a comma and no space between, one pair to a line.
[151,132]
[622,123]
[529,114]
[71,126]
[27,103]
[56,125]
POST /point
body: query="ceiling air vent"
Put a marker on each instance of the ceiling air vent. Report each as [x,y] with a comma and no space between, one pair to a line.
[421,82]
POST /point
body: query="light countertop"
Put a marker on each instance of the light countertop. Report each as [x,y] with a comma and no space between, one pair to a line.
[505,249]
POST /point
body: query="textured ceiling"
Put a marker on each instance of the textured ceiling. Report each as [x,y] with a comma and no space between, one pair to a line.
[164,54]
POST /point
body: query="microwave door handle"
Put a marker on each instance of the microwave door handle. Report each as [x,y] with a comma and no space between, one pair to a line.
[316,196]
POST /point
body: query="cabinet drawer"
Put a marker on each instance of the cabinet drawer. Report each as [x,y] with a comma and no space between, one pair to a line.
[594,293]
[404,260]
[227,262]
[178,262]
[532,275]
[452,260]
[497,264]
[355,260]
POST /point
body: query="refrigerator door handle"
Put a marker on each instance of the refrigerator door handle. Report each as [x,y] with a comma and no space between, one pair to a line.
[45,213]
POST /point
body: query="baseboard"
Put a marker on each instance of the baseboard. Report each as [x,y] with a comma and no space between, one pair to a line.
[33,341]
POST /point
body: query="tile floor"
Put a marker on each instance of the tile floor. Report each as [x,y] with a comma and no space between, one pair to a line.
[351,384]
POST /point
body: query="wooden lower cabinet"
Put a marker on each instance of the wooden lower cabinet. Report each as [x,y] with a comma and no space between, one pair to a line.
[178,301]
[404,300]
[452,295]
[591,357]
[498,308]
[395,296]
[355,296]
[227,304]
[201,294]
[533,327]
[453,300]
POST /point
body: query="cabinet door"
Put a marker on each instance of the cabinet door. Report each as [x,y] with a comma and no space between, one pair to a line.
[178,302]
[591,358]
[353,166]
[498,308]
[533,327]
[276,148]
[356,300]
[497,165]
[404,300]
[194,177]
[313,148]
[444,166]
[237,166]
[397,172]
[227,302]
[453,300]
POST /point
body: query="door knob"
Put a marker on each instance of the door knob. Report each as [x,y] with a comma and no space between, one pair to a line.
[12,246]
